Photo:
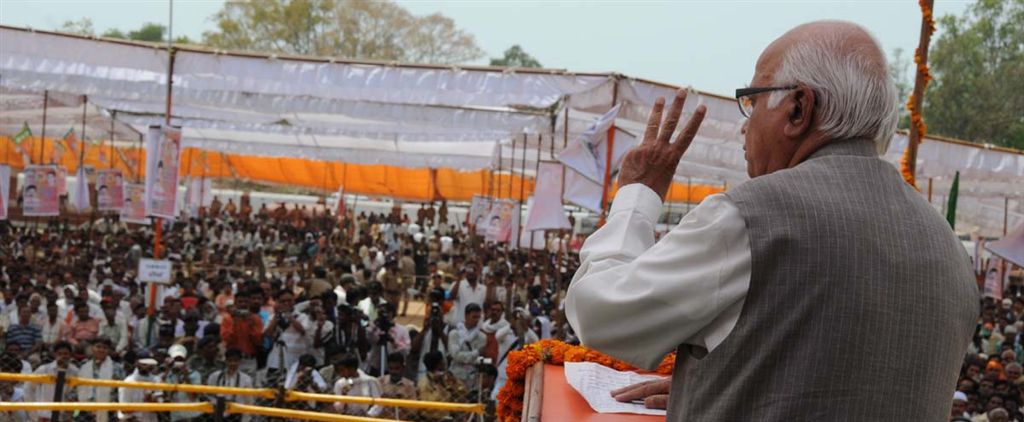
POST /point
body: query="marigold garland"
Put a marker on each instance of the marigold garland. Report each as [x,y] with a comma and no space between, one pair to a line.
[925,75]
[554,352]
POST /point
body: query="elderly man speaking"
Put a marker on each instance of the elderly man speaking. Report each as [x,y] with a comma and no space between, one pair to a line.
[824,288]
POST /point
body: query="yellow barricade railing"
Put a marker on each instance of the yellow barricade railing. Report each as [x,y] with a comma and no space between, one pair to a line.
[267,393]
[205,407]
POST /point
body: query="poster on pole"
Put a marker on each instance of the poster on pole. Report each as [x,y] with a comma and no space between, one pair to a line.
[40,191]
[499,221]
[994,279]
[479,209]
[109,190]
[5,190]
[163,145]
[62,182]
[134,210]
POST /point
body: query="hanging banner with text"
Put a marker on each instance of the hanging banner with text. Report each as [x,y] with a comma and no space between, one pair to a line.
[109,190]
[163,145]
[39,192]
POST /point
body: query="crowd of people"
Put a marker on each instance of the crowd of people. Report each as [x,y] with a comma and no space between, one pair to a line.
[991,384]
[300,299]
[379,305]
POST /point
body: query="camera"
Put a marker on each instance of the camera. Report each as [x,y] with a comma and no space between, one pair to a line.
[282,323]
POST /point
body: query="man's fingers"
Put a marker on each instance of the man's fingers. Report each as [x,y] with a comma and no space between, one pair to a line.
[690,130]
[632,387]
[644,390]
[654,121]
[659,401]
[672,119]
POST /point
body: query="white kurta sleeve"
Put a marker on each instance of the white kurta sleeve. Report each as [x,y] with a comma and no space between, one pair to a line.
[638,300]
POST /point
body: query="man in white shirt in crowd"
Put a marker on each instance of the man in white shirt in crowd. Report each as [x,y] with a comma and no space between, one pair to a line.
[354,382]
[465,344]
[290,331]
[510,337]
[100,366]
[145,371]
[35,392]
[231,376]
[466,291]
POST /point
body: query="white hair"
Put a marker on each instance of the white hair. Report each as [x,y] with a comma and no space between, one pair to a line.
[856,97]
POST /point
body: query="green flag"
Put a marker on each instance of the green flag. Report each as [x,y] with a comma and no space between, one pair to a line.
[951,207]
[22,135]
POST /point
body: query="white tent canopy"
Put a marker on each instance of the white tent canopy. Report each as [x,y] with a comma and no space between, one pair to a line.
[405,115]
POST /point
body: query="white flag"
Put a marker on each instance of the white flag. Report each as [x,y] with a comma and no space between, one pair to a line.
[582,191]
[546,212]
[80,196]
[5,190]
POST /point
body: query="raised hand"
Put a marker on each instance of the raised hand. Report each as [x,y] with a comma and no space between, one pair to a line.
[654,162]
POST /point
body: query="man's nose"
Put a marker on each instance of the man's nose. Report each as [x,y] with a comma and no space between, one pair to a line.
[743,129]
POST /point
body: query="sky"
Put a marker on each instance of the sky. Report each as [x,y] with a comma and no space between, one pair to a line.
[709,45]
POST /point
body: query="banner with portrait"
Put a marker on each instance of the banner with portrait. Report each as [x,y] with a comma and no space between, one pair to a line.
[109,190]
[499,221]
[5,190]
[479,209]
[134,210]
[163,146]
[39,191]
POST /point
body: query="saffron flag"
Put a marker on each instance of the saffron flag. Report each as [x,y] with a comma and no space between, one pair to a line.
[20,137]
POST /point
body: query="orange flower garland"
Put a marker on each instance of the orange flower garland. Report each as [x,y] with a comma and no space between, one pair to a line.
[915,115]
[510,398]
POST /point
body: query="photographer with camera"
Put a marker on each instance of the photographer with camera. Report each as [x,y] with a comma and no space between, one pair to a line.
[465,344]
[145,371]
[511,337]
[177,371]
[432,338]
[289,332]
[385,337]
[241,328]
[354,382]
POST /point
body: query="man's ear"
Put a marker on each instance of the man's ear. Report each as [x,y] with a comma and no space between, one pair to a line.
[801,113]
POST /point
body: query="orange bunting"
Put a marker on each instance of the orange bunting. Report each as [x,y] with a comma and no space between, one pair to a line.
[554,352]
[916,119]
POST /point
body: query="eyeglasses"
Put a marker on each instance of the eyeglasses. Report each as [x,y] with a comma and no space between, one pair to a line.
[743,97]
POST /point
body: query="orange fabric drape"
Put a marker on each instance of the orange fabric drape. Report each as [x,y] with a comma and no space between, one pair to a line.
[415,184]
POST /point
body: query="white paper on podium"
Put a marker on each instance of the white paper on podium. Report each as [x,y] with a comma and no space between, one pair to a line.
[595,383]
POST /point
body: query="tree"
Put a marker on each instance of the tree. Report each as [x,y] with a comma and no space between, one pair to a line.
[515,56]
[357,29]
[81,27]
[898,67]
[151,32]
[978,64]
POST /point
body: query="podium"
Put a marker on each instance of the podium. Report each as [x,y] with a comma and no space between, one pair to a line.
[550,398]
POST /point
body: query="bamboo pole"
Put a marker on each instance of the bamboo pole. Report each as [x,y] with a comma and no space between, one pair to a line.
[42,135]
[920,82]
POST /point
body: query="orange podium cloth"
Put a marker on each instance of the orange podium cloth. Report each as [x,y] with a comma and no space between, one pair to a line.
[561,403]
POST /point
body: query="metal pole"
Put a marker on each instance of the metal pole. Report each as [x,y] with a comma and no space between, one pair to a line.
[42,136]
[1006,214]
[930,181]
[110,155]
[81,149]
[58,392]
[511,167]
[689,194]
